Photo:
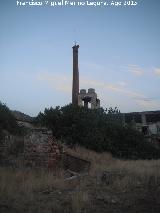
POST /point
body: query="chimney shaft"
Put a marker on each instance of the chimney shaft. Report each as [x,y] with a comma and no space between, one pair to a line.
[75,83]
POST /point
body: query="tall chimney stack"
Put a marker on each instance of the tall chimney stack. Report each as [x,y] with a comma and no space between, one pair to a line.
[75,83]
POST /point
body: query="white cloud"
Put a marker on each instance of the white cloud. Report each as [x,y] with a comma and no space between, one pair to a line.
[122,83]
[109,86]
[156,71]
[85,82]
[58,82]
[150,104]
[136,70]
[63,83]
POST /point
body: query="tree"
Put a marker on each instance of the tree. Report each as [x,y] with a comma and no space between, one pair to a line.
[7,120]
[97,129]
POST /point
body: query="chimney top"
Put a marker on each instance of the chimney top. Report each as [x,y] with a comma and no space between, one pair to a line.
[75,46]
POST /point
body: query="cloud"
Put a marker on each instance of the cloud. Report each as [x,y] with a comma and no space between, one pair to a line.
[63,83]
[156,71]
[90,83]
[151,104]
[136,70]
[58,82]
[112,87]
[138,98]
[122,83]
[148,103]
[145,99]
[92,66]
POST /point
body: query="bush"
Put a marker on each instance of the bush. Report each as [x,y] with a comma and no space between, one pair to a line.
[7,121]
[98,129]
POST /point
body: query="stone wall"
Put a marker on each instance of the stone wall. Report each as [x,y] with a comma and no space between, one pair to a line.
[75,163]
[38,149]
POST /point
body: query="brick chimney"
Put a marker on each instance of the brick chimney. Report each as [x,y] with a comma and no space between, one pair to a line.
[75,83]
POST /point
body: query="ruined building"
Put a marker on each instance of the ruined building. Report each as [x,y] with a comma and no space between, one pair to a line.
[146,122]
[82,98]
[89,97]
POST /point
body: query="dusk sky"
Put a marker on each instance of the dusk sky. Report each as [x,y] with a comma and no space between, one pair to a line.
[119,54]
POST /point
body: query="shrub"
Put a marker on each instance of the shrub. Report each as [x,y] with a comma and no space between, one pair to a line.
[97,129]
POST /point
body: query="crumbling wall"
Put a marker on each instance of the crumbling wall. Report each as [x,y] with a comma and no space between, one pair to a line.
[41,149]
[75,164]
[38,149]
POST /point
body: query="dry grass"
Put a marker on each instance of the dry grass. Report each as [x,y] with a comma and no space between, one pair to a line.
[136,171]
[28,190]
[19,188]
[25,186]
[18,182]
[106,161]
[78,200]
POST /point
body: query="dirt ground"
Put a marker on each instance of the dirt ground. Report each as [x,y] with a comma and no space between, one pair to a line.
[81,194]
[110,186]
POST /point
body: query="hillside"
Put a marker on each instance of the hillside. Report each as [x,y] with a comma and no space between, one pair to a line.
[21,116]
[9,121]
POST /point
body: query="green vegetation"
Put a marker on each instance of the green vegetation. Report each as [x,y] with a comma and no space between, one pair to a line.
[99,130]
[8,121]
